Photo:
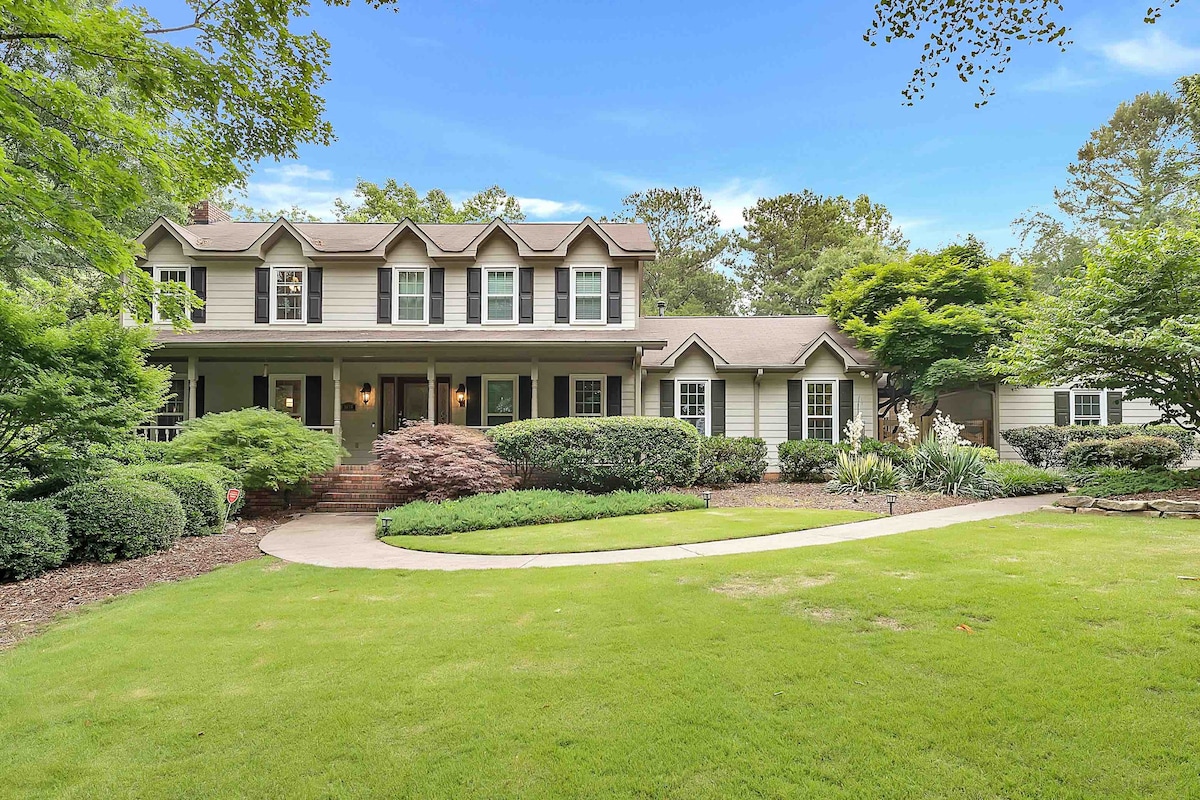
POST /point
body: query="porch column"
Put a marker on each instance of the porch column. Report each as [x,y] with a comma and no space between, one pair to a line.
[637,383]
[337,402]
[533,381]
[193,363]
[431,377]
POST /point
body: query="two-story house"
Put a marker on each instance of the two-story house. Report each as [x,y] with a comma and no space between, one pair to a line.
[354,328]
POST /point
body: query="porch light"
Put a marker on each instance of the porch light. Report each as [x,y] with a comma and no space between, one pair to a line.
[707,496]
[891,501]
[366,394]
[460,395]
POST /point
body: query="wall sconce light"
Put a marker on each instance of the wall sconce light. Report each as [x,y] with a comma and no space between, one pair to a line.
[460,395]
[366,394]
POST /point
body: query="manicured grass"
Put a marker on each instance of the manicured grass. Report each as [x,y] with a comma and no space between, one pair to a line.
[831,672]
[526,507]
[647,530]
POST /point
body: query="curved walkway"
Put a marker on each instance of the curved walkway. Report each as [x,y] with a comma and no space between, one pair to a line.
[348,540]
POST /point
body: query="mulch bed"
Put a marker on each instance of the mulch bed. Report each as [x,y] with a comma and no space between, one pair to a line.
[813,495]
[1173,494]
[29,605]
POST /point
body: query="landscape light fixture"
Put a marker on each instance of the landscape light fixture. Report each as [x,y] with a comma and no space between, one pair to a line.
[707,496]
[891,501]
[460,395]
[365,391]
[387,525]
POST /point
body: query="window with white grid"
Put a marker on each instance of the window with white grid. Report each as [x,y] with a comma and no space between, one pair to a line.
[819,411]
[501,295]
[288,290]
[693,404]
[588,303]
[589,397]
[1086,408]
[410,295]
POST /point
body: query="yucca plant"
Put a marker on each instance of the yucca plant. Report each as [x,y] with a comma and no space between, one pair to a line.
[953,470]
[863,473]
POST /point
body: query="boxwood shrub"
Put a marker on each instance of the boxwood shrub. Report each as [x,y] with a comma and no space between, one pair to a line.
[1044,445]
[225,478]
[120,517]
[33,539]
[725,460]
[806,460]
[526,507]
[602,454]
[200,493]
[1131,452]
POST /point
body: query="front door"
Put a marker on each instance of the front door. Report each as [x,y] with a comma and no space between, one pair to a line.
[404,399]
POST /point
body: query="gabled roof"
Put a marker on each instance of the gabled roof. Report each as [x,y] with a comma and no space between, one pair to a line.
[368,239]
[768,342]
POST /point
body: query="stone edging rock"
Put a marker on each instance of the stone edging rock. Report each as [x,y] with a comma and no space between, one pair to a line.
[1081,504]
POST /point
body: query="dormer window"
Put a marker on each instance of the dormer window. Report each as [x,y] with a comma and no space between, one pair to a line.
[501,295]
[168,275]
[412,304]
[587,295]
[287,294]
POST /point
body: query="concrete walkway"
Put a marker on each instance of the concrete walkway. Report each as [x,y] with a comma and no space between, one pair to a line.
[348,540]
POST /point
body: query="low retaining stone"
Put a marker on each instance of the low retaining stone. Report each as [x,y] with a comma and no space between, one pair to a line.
[1121,505]
[1182,514]
[1187,506]
[1077,501]
[1081,504]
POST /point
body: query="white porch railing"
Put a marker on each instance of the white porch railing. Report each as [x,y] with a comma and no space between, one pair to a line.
[165,433]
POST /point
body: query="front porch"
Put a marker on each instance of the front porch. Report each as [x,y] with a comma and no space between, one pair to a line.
[358,393]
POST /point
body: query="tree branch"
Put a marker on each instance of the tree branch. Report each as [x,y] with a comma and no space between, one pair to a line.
[195,23]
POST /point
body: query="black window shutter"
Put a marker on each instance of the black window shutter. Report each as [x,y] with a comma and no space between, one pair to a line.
[312,400]
[262,294]
[383,310]
[845,405]
[562,294]
[262,397]
[613,401]
[150,302]
[795,409]
[199,282]
[474,401]
[437,295]
[1114,399]
[524,396]
[666,398]
[526,295]
[562,396]
[717,406]
[474,295]
[614,294]
[1062,409]
[200,396]
[315,282]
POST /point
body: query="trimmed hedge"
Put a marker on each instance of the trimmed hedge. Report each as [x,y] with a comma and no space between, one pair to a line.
[225,478]
[806,460]
[120,518]
[33,539]
[1044,445]
[202,497]
[1132,452]
[525,507]
[725,460]
[1016,480]
[604,453]
[1114,482]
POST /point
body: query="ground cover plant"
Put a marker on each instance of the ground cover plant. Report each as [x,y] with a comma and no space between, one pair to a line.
[1009,479]
[1040,656]
[619,533]
[526,507]
[1114,481]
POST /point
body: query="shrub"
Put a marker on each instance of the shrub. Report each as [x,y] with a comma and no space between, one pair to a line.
[1144,452]
[33,539]
[1086,453]
[735,459]
[441,462]
[269,449]
[120,518]
[863,472]
[605,453]
[201,495]
[527,507]
[225,478]
[806,459]
[1114,482]
[1044,445]
[954,470]
[1016,480]
[892,452]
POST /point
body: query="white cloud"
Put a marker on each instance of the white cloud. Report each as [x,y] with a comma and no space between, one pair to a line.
[540,208]
[299,185]
[299,172]
[1155,53]
[1060,79]
[732,198]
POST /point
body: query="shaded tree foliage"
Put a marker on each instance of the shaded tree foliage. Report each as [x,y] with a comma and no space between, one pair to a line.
[393,202]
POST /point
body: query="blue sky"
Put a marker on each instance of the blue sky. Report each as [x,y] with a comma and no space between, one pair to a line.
[572,106]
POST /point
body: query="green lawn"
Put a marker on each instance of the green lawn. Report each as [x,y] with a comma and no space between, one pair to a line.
[618,533]
[831,672]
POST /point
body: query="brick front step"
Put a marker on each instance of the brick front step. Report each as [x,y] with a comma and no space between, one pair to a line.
[374,497]
[345,507]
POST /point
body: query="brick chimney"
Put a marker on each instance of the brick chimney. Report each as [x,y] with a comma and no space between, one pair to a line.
[206,213]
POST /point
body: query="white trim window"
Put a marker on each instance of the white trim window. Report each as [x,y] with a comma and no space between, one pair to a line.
[1087,407]
[499,399]
[169,273]
[287,395]
[412,296]
[693,402]
[587,295]
[287,295]
[500,295]
[820,411]
[588,395]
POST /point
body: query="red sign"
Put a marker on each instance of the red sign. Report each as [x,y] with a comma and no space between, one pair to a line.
[232,496]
